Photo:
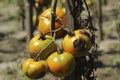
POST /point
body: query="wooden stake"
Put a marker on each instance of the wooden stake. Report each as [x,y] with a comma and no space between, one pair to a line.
[100,20]
[28,19]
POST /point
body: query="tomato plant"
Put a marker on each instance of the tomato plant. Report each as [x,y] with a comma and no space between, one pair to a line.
[61,64]
[34,69]
[78,43]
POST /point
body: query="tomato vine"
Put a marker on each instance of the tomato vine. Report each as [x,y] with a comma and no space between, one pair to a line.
[84,65]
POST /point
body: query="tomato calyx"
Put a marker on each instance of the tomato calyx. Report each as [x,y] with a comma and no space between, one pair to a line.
[71,33]
[42,37]
[60,50]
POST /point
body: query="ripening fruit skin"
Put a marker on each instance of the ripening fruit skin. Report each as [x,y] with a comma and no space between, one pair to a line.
[37,44]
[61,64]
[59,13]
[44,24]
[34,69]
[78,44]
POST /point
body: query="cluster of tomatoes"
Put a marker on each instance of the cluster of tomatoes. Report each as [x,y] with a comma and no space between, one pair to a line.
[43,49]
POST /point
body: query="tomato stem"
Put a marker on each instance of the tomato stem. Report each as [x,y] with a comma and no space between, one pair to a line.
[53,15]
[70,32]
[56,30]
[42,51]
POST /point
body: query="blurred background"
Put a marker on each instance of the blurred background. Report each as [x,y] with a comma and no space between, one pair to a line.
[15,32]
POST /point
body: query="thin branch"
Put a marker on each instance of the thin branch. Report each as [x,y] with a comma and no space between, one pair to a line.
[43,50]
[88,11]
[53,14]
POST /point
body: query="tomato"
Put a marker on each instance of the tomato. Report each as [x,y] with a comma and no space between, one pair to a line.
[78,44]
[61,64]
[34,69]
[44,21]
[59,13]
[37,44]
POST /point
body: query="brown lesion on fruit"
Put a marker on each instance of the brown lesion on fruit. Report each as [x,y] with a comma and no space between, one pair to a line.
[40,75]
[36,76]
[79,44]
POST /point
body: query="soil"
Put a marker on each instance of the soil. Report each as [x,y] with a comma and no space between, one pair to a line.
[13,45]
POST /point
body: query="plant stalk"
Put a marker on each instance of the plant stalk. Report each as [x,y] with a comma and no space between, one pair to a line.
[53,15]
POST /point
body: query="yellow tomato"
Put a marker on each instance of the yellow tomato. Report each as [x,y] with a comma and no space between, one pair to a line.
[34,69]
[61,64]
[45,22]
[78,44]
[37,44]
